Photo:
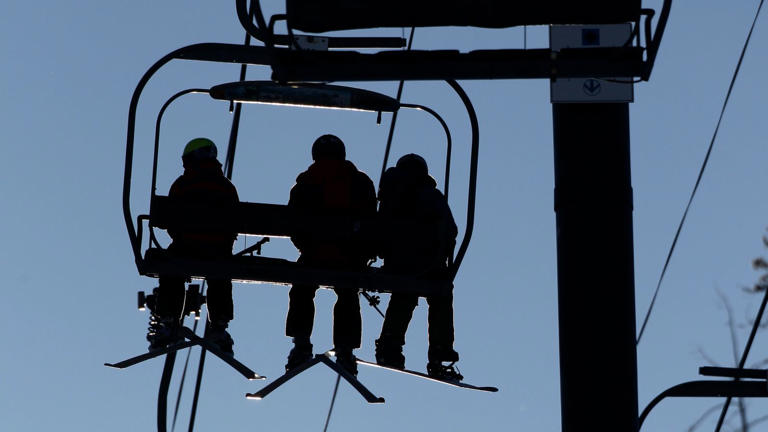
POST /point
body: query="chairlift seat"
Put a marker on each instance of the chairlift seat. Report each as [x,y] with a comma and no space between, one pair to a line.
[272,220]
[269,220]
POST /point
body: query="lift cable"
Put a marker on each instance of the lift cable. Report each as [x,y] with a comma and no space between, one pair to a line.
[373,300]
[230,158]
[228,167]
[701,173]
[184,372]
[198,383]
[394,115]
[333,401]
[744,355]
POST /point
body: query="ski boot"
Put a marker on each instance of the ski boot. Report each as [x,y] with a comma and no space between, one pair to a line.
[389,354]
[444,372]
[218,335]
[300,353]
[346,360]
[162,332]
[436,368]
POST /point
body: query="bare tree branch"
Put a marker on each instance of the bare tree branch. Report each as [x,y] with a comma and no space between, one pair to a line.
[704,416]
[758,420]
[735,350]
[759,364]
[707,358]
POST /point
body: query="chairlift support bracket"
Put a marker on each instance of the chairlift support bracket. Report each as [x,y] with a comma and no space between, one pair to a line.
[318,358]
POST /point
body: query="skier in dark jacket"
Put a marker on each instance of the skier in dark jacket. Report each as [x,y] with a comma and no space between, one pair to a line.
[204,201]
[329,202]
[417,238]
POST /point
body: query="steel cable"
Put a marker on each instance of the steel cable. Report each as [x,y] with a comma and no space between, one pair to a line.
[383,168]
[228,168]
[333,401]
[394,115]
[184,372]
[698,179]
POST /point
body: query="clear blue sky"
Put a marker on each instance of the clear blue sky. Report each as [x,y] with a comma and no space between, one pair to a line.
[67,75]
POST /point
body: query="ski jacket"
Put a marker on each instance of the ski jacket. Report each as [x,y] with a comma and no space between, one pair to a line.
[330,204]
[209,200]
[417,229]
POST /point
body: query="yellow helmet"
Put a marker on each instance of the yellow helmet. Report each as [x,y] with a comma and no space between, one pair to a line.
[199,148]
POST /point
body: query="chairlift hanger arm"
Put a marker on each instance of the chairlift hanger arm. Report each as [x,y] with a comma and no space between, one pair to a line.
[271,39]
[448,138]
[472,192]
[158,123]
[246,20]
[655,41]
[707,388]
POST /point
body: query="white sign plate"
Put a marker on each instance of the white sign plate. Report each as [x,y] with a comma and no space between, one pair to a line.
[590,90]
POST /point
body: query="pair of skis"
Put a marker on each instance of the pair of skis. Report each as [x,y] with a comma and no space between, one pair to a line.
[352,380]
[191,339]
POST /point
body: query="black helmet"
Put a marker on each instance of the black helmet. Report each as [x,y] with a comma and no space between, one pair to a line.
[413,165]
[328,147]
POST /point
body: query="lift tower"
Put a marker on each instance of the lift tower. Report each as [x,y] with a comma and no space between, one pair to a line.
[595,258]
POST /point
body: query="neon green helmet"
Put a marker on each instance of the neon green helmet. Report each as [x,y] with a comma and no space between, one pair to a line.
[199,149]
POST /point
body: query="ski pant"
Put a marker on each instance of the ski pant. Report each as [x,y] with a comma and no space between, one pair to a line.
[169,295]
[439,319]
[169,299]
[347,322]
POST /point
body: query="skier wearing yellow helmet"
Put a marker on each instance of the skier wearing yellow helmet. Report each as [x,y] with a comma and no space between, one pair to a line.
[203,188]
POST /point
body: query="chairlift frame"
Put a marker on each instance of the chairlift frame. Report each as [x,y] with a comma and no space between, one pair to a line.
[272,270]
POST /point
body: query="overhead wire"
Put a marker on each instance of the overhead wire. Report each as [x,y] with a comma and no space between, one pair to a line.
[228,168]
[701,173]
[184,371]
[371,299]
[745,353]
[333,401]
[394,114]
[235,129]
[198,384]
[759,317]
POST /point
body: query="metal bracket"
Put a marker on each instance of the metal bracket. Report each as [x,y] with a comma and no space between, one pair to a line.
[310,43]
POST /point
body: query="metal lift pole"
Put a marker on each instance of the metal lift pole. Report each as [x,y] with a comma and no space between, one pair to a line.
[595,266]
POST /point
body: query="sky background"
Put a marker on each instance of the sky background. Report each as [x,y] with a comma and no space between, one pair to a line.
[68,72]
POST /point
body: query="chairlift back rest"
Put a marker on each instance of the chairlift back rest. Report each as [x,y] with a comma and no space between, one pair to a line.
[269,220]
[328,15]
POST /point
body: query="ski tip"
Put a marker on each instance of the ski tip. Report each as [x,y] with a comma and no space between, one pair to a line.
[253,396]
[256,376]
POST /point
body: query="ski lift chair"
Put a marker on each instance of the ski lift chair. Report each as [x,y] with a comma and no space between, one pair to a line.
[274,220]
